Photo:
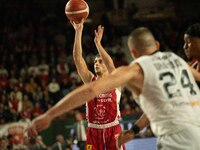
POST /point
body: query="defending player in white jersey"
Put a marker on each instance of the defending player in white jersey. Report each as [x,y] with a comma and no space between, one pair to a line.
[191,49]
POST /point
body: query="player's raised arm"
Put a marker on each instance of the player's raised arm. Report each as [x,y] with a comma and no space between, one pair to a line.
[102,52]
[80,63]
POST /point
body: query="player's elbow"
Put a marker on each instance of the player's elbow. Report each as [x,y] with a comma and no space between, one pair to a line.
[76,59]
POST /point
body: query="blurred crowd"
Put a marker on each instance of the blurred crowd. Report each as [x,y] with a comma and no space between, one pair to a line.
[37,144]
[36,65]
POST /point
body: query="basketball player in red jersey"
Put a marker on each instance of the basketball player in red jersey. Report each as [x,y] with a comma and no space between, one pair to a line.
[192,45]
[192,40]
[103,111]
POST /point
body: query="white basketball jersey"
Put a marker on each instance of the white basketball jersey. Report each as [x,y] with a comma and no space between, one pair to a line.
[170,96]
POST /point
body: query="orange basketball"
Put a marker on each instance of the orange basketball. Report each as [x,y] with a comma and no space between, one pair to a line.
[75,10]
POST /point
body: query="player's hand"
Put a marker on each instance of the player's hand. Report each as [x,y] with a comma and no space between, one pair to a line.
[78,25]
[38,124]
[124,137]
[98,34]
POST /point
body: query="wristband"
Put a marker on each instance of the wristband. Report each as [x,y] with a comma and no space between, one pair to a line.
[135,129]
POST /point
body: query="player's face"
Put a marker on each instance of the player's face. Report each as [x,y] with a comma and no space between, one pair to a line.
[191,46]
[99,66]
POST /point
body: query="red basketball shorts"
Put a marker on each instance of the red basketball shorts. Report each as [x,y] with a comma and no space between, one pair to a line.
[103,139]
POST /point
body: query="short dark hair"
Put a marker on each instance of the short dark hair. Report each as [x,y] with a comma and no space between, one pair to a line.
[193,30]
[142,38]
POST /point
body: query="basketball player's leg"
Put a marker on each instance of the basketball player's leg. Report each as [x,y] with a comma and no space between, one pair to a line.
[94,139]
[111,135]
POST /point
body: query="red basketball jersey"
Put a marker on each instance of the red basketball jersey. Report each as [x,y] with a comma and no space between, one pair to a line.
[194,64]
[104,108]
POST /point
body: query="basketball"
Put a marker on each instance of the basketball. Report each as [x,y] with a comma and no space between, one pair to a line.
[75,10]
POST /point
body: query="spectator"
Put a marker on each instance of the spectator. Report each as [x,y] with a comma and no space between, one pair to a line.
[3,143]
[60,143]
[43,71]
[80,131]
[37,110]
[62,67]
[15,104]
[54,89]
[38,144]
[27,104]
